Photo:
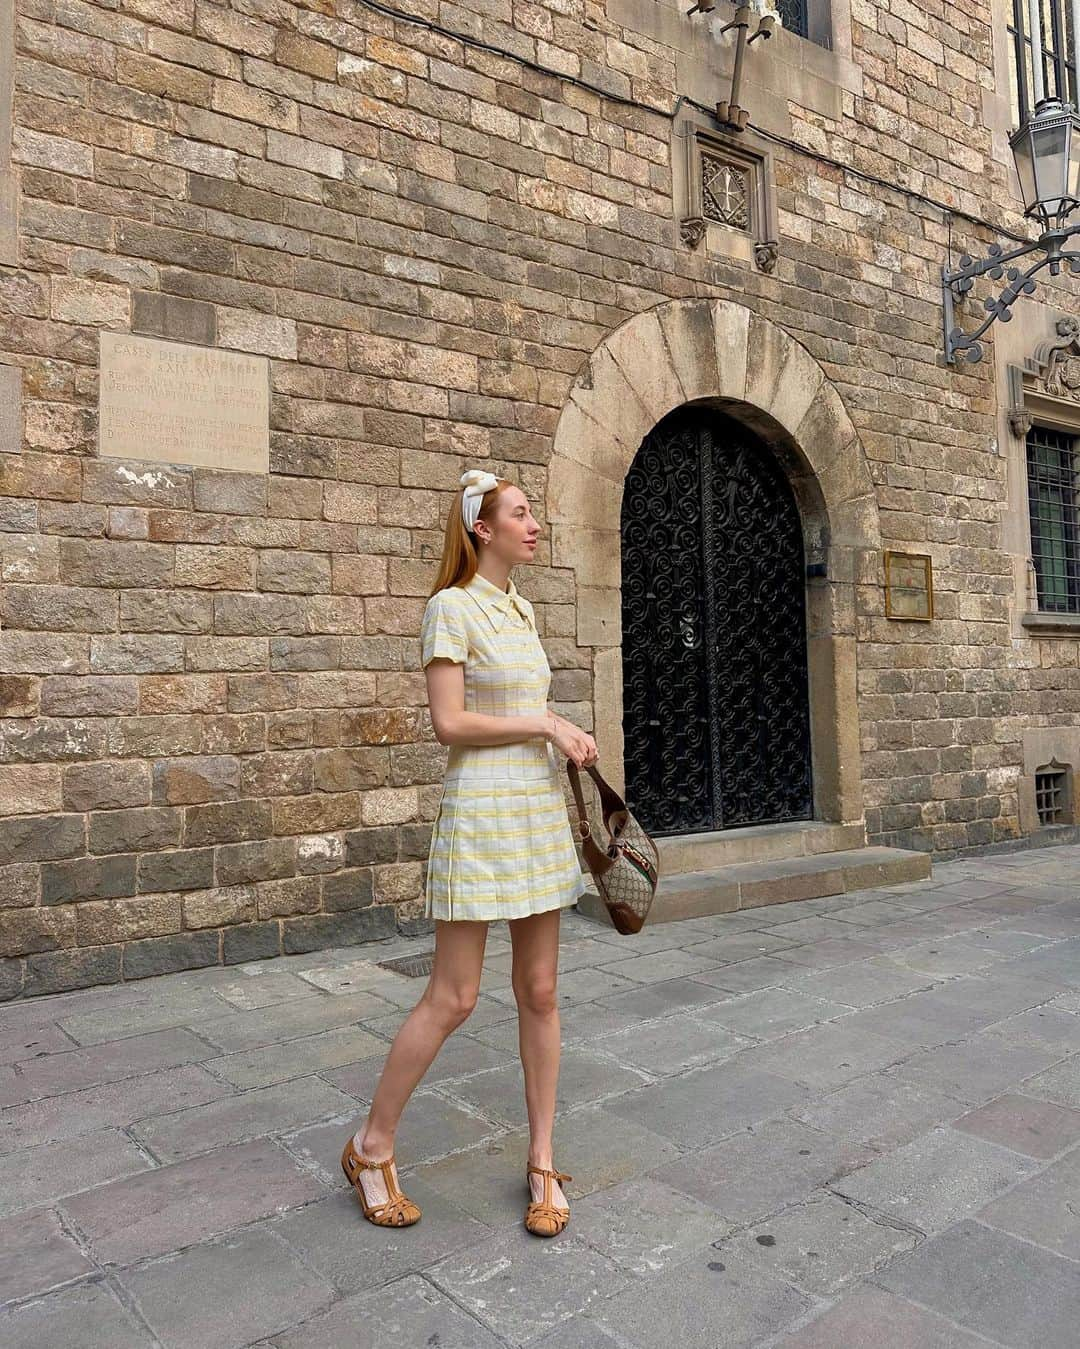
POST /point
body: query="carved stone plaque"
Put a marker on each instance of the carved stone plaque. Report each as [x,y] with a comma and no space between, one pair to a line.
[178,404]
[909,586]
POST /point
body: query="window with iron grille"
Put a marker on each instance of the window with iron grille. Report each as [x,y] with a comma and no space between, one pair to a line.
[1052,794]
[1053,464]
[1043,65]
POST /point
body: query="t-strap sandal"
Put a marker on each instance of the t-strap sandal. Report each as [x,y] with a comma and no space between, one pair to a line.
[542,1217]
[397,1211]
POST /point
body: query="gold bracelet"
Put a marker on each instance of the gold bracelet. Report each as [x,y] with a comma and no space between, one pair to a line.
[554,728]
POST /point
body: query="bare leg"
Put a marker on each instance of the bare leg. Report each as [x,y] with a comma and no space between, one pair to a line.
[535,967]
[445,1003]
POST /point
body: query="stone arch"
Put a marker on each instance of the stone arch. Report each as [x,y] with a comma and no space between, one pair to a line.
[718,353]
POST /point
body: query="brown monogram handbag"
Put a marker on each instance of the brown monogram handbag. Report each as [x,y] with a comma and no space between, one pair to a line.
[626,865]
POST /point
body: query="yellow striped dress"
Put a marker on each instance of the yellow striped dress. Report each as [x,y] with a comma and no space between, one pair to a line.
[502,845]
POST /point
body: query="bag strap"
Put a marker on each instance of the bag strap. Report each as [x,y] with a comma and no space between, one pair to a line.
[610,801]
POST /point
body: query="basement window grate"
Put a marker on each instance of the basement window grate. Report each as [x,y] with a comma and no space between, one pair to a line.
[413,966]
[1052,795]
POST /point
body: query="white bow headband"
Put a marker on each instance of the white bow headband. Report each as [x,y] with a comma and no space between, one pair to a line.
[476,482]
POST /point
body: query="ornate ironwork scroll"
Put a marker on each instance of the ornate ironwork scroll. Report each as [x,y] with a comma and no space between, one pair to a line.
[716,710]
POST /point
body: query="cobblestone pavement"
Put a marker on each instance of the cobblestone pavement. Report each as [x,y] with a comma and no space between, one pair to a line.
[820,1125]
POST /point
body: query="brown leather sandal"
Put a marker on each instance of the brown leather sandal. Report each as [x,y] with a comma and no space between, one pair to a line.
[542,1217]
[397,1211]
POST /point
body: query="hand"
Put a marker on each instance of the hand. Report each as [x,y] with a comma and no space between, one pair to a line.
[576,745]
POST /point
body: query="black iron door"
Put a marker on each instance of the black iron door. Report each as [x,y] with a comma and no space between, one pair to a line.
[716,717]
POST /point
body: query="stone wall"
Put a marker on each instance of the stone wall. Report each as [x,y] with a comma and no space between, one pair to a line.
[214,738]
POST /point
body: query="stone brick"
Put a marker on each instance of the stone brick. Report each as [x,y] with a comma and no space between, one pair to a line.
[303,53]
[130,482]
[319,812]
[227,822]
[19,886]
[261,693]
[182,693]
[58,608]
[165,611]
[40,838]
[198,778]
[24,931]
[261,860]
[317,853]
[173,317]
[301,573]
[136,653]
[214,568]
[364,847]
[250,941]
[88,878]
[61,971]
[109,920]
[107,562]
[20,696]
[226,653]
[106,786]
[167,955]
[30,558]
[88,696]
[224,904]
[230,493]
[347,890]
[29,789]
[43,653]
[144,829]
[183,869]
[318,931]
[260,333]
[289,896]
[360,574]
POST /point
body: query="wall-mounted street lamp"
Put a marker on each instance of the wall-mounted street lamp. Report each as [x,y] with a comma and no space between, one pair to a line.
[1046,149]
[729,114]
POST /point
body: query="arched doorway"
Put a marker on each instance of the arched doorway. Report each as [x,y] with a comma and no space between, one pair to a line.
[717,353]
[716,711]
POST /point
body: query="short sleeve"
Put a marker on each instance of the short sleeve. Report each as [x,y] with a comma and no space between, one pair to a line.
[442,632]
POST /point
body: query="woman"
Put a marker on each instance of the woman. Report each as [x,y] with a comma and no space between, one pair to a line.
[501,846]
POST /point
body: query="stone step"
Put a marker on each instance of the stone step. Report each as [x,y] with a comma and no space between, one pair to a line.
[747,885]
[755,843]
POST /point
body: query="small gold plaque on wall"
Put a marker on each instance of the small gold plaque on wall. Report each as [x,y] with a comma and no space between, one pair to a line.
[909,587]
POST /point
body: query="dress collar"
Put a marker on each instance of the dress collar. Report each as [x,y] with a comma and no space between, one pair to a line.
[496,603]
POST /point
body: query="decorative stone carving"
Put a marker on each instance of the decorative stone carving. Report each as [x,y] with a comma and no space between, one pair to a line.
[692,230]
[766,252]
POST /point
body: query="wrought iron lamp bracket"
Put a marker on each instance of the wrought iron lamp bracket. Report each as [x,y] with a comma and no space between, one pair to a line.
[957,282]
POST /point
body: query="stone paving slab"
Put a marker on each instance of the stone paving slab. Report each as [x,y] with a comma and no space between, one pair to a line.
[1035,1128]
[174,1206]
[987,1281]
[841,1122]
[88,1315]
[821,1246]
[871,1316]
[1044,1210]
[227,1293]
[43,1175]
[759,1171]
[712,1298]
[36,1254]
[936,1179]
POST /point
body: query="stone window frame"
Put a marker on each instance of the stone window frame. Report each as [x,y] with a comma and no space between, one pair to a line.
[1037,394]
[758,244]
[1041,747]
